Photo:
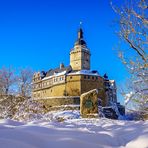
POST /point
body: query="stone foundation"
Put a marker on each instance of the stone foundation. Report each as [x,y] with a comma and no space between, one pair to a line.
[60,103]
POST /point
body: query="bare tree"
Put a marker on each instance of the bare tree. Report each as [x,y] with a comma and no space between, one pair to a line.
[7,79]
[11,85]
[133,33]
[24,82]
[133,25]
[1,85]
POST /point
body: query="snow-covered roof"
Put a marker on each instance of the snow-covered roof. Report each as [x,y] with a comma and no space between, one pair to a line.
[55,75]
[84,72]
[111,81]
[81,72]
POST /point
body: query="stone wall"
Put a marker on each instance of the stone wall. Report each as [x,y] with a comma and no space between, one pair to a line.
[75,86]
[58,102]
[56,90]
[92,83]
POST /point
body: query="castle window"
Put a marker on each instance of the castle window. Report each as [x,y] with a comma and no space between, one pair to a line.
[93,77]
[61,78]
[71,77]
[85,77]
[88,77]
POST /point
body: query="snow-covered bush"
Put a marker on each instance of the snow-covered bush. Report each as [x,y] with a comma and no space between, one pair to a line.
[9,105]
[30,110]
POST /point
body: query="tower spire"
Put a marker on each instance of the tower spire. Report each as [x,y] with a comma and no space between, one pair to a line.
[80,32]
[80,40]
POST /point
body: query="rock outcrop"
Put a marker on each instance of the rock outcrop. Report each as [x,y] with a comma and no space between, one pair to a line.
[89,104]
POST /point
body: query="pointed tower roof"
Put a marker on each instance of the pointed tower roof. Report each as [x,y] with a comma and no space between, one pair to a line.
[80,33]
[80,40]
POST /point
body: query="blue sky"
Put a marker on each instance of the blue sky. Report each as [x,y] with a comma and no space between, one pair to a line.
[40,34]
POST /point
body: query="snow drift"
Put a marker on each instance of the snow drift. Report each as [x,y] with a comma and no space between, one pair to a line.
[73,133]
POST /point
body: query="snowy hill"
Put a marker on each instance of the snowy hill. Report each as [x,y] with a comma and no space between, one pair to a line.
[73,132]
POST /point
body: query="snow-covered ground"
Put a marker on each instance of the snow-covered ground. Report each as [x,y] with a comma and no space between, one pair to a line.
[73,132]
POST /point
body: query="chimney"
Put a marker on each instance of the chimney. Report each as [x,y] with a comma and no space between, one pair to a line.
[61,65]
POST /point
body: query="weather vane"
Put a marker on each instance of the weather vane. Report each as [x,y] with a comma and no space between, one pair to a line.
[80,24]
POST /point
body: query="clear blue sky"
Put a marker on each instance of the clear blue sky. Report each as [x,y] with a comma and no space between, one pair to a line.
[40,34]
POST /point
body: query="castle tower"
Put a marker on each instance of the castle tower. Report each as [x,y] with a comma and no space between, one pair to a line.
[80,54]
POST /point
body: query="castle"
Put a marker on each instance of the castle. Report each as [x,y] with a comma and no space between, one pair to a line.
[75,79]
